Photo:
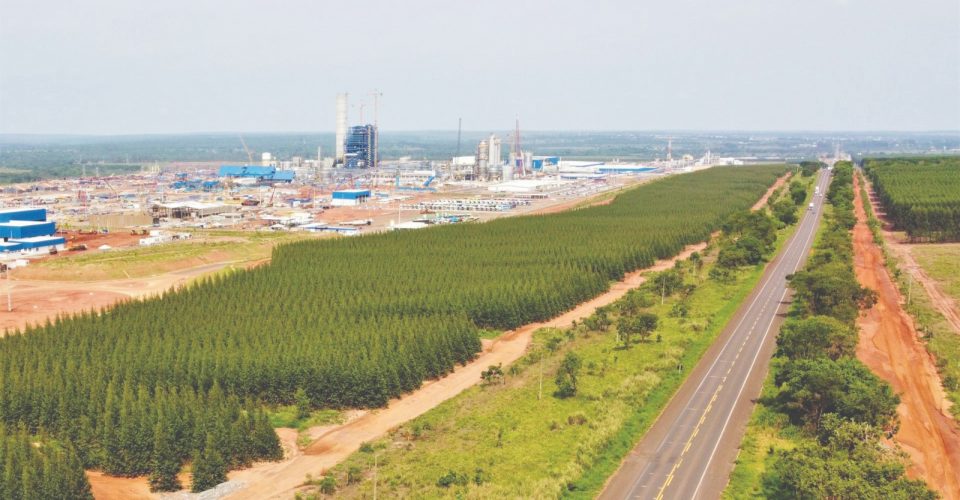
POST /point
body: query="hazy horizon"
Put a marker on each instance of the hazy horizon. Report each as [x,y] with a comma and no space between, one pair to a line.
[109,67]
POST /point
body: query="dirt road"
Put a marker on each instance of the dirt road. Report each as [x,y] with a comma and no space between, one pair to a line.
[766,196]
[942,302]
[890,347]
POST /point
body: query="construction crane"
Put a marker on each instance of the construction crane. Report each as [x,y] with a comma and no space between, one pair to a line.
[246,150]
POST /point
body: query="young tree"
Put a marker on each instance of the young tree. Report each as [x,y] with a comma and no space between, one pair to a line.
[209,468]
[165,464]
[567,376]
[303,403]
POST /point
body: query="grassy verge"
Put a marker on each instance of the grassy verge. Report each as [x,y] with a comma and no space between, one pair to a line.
[286,416]
[512,439]
[941,262]
[158,259]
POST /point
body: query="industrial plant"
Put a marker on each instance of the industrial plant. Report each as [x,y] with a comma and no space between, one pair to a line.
[352,192]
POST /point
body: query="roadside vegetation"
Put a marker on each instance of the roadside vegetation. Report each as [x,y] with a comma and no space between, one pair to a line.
[816,431]
[559,420]
[920,195]
[347,322]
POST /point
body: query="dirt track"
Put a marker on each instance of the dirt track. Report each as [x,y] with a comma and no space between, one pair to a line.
[890,347]
[766,196]
[942,302]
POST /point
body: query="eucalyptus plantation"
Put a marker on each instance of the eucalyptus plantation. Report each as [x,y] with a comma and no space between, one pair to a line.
[333,324]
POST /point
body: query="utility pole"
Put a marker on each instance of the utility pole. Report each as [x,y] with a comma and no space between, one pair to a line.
[663,289]
[375,458]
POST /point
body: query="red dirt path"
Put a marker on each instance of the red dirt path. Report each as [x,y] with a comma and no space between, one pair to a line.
[941,301]
[890,347]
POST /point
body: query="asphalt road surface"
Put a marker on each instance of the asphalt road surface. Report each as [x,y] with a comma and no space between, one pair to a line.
[689,451]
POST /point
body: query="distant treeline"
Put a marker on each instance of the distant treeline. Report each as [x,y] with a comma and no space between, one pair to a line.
[348,322]
[920,195]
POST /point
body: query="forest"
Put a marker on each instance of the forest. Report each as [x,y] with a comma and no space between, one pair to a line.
[920,195]
[148,385]
[839,410]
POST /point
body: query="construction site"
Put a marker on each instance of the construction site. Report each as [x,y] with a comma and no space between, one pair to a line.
[350,193]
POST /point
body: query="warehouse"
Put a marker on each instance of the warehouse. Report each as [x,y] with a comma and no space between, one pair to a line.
[26,229]
[39,244]
[23,214]
[265,175]
[194,209]
[350,197]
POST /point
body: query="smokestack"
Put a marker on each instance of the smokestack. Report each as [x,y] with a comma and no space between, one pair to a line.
[341,126]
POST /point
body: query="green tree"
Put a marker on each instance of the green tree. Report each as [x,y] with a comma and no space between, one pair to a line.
[812,387]
[566,378]
[303,403]
[209,468]
[165,464]
[814,337]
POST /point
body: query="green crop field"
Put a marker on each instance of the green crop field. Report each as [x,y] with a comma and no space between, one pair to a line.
[921,196]
[344,323]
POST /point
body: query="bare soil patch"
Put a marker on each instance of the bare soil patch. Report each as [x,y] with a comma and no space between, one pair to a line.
[942,302]
[890,346]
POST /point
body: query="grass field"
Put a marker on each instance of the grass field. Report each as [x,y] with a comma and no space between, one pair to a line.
[942,263]
[205,248]
[503,441]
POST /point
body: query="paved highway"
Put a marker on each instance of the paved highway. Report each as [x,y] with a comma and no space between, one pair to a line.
[689,451]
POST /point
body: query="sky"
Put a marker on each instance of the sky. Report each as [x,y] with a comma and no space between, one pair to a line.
[185,66]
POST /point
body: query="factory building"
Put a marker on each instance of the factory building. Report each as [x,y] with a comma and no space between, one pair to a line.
[360,149]
[349,197]
[266,175]
[27,230]
[191,209]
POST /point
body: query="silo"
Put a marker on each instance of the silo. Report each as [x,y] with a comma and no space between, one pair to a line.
[495,156]
[527,162]
[483,152]
[507,172]
[341,129]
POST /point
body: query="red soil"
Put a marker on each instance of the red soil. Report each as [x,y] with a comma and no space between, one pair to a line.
[941,301]
[889,345]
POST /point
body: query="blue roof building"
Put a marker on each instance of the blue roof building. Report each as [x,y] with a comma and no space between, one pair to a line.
[27,229]
[263,174]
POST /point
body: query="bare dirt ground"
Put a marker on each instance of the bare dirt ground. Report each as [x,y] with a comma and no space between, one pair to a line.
[766,196]
[35,301]
[889,345]
[942,302]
